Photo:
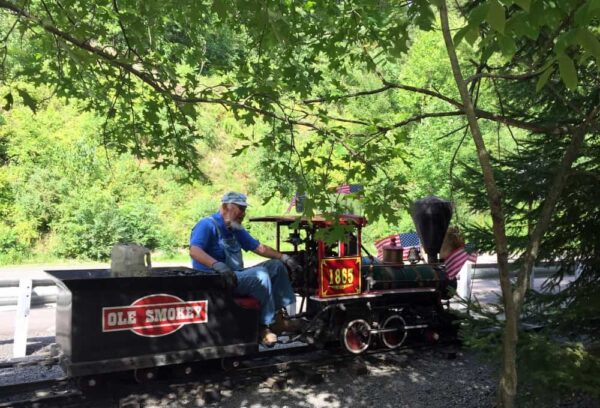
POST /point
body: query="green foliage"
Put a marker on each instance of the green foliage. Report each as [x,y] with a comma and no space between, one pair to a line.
[504,28]
[11,248]
[563,368]
[551,367]
[92,224]
[89,227]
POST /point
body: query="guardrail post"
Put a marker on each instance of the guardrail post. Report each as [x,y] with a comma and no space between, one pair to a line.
[22,317]
[464,282]
[578,270]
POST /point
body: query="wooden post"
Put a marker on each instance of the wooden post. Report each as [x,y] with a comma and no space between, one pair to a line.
[22,317]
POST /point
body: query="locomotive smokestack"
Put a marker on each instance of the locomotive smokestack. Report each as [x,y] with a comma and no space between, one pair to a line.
[431,216]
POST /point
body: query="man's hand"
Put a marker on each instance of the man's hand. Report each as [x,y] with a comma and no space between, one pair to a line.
[227,273]
[221,267]
[291,263]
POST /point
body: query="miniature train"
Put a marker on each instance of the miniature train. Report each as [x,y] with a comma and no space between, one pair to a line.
[175,316]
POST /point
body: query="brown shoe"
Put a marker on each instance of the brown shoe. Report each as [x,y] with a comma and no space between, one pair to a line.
[283,323]
[267,337]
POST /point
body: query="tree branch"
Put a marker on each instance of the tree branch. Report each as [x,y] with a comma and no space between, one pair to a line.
[383,130]
[348,96]
[512,77]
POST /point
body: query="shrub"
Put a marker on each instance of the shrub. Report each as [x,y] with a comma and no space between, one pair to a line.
[91,225]
[11,248]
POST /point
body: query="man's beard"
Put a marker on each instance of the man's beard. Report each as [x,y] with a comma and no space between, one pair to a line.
[236,226]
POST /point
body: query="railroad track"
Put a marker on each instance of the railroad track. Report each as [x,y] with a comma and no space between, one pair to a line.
[205,381]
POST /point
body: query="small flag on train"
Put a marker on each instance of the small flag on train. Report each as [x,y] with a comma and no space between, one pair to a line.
[298,202]
[455,261]
[349,188]
[406,240]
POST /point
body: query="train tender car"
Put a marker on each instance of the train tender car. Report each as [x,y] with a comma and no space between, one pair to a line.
[174,316]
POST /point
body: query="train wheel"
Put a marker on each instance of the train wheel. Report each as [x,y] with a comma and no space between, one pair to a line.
[393,331]
[356,336]
[144,375]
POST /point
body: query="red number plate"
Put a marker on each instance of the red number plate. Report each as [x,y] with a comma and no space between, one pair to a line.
[339,277]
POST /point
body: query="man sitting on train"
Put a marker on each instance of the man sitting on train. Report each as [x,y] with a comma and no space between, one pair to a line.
[216,244]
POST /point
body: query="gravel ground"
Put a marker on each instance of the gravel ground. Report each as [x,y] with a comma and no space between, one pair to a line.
[425,379]
[416,379]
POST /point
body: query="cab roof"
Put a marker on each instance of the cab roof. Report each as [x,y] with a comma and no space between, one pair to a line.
[318,220]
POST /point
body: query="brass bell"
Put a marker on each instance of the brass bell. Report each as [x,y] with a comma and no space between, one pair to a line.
[413,255]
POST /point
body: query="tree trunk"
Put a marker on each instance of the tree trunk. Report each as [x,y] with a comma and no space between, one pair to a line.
[554,192]
[508,377]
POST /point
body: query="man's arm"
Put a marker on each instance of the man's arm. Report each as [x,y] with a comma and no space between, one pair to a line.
[267,252]
[201,256]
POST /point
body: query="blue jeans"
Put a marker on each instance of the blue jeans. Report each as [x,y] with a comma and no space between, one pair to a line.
[269,283]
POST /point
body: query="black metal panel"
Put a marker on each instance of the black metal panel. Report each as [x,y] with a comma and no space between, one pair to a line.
[84,293]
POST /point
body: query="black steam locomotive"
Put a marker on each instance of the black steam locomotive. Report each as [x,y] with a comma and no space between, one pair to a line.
[179,315]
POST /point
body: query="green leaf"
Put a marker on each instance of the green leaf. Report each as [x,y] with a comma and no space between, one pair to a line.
[543,79]
[472,35]
[547,64]
[565,40]
[583,14]
[477,15]
[9,101]
[460,34]
[496,16]
[507,45]
[188,109]
[28,100]
[239,151]
[568,74]
[524,4]
[589,42]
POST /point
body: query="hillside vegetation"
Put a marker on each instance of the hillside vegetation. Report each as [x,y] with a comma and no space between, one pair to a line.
[67,193]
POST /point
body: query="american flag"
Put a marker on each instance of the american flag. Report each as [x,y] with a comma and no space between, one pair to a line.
[405,240]
[349,188]
[456,260]
[292,203]
[298,201]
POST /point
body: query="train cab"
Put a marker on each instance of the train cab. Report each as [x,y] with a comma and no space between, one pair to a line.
[330,269]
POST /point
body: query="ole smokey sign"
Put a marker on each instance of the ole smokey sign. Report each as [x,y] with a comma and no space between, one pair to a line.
[154,315]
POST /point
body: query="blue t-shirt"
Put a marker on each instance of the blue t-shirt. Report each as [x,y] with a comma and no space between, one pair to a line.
[204,235]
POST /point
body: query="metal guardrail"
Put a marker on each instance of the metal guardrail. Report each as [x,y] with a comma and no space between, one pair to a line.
[490,270]
[479,271]
[36,299]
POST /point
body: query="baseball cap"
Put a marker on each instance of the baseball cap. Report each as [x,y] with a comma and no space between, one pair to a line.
[234,198]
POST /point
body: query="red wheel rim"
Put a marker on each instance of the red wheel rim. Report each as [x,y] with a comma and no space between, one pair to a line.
[394,339]
[356,336]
